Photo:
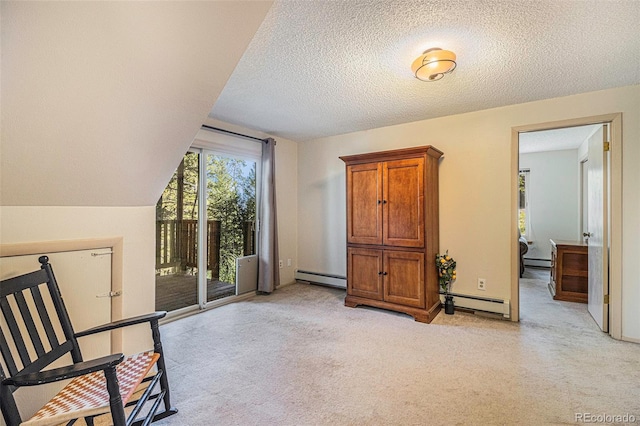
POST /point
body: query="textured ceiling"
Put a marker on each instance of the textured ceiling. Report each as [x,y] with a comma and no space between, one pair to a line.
[555,140]
[320,68]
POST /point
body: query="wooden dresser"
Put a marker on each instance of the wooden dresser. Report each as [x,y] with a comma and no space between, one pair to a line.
[392,231]
[569,271]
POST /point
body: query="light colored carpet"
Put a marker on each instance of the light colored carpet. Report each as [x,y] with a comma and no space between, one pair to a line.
[299,357]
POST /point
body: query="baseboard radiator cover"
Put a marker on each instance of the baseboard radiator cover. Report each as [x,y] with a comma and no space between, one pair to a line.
[475,303]
[481,304]
[542,263]
[330,280]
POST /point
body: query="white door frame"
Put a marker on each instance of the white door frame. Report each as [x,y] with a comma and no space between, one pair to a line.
[615,254]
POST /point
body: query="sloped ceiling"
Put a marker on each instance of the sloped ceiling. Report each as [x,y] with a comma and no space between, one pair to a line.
[101,99]
[321,68]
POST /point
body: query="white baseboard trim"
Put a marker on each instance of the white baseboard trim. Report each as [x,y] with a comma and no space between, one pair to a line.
[630,339]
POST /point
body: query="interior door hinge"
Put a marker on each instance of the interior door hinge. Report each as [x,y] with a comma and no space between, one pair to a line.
[607,146]
[606,299]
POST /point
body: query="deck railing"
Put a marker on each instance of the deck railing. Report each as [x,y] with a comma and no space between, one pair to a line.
[177,244]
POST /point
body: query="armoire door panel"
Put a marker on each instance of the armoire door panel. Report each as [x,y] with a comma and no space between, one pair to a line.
[403,203]
[365,273]
[404,278]
[364,204]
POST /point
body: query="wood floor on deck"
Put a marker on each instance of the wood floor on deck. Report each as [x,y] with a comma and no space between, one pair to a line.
[181,290]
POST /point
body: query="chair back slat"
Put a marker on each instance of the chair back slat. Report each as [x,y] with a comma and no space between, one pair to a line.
[44,317]
[27,318]
[14,329]
[8,359]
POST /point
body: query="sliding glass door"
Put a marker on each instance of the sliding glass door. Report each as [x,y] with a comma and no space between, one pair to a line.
[231,213]
[187,246]
[177,238]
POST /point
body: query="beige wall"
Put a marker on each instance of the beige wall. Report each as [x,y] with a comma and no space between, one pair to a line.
[475,189]
[99,99]
[287,204]
[136,226]
[554,200]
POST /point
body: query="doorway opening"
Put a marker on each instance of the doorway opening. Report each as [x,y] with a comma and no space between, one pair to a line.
[199,239]
[558,211]
[555,262]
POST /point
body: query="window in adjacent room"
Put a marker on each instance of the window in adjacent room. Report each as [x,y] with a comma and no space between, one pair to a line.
[524,217]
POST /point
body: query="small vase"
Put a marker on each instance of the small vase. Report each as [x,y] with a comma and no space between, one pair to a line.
[448,305]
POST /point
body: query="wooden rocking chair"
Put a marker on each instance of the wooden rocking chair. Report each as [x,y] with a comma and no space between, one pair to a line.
[98,386]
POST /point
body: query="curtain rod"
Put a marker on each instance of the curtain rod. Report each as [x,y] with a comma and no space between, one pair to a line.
[217,129]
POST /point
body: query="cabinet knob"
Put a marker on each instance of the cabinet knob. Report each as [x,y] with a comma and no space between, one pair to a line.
[586,234]
[384,273]
[384,201]
[380,273]
[379,202]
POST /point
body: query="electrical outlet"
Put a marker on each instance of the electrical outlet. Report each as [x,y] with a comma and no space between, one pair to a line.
[482,284]
[288,263]
[280,263]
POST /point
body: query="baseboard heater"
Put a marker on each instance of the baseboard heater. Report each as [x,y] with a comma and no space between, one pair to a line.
[476,303]
[330,280]
[543,263]
[483,304]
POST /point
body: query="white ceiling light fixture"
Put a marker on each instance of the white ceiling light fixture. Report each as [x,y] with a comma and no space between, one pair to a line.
[433,64]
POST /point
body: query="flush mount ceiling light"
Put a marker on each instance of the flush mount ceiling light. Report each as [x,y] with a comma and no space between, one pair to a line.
[433,64]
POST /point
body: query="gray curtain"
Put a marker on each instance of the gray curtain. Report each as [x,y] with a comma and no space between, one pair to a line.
[268,269]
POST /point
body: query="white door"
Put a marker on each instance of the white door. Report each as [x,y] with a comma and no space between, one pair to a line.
[598,238]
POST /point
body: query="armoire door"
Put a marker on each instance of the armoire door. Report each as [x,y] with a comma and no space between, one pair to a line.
[365,273]
[404,278]
[403,203]
[364,203]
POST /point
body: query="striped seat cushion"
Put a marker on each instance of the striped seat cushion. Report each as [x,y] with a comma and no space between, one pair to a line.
[87,395]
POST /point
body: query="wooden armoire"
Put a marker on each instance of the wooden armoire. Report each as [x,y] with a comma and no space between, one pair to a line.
[392,231]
